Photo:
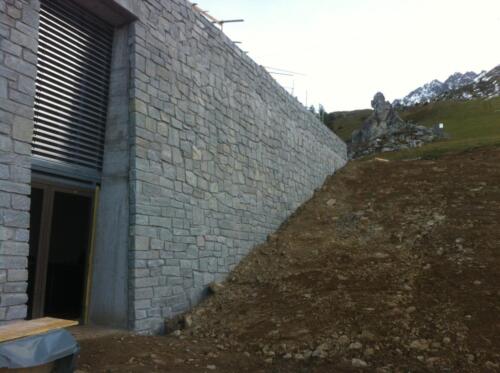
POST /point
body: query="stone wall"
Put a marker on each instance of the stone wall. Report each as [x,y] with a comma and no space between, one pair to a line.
[18,25]
[221,155]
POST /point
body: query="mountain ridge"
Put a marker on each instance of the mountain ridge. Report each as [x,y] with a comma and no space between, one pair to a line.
[459,86]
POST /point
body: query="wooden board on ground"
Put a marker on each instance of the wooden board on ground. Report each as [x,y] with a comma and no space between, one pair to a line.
[47,368]
[22,329]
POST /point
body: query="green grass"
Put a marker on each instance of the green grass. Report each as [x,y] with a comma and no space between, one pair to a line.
[344,122]
[470,124]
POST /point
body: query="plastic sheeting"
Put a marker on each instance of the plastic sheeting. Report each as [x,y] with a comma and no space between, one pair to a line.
[39,350]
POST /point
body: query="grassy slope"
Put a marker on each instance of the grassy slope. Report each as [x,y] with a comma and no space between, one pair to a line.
[470,124]
[344,122]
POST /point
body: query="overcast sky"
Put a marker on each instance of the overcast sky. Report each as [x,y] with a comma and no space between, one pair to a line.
[349,49]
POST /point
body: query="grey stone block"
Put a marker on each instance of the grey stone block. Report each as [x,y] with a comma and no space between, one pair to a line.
[6,144]
[5,175]
[18,65]
[14,275]
[18,219]
[16,312]
[20,202]
[15,287]
[12,299]
[13,262]
[14,248]
[23,127]
[3,88]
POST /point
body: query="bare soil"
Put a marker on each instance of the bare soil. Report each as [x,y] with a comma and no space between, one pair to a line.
[390,267]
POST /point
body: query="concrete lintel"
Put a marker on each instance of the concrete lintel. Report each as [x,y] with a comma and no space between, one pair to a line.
[115,12]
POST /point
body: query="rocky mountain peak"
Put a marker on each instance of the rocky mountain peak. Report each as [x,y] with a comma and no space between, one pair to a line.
[484,85]
[431,91]
[458,80]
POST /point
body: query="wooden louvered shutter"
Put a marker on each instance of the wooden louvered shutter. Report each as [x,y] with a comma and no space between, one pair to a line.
[74,57]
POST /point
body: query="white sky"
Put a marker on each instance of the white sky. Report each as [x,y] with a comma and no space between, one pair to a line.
[350,49]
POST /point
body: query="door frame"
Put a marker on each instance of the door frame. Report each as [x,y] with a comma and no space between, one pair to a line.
[49,189]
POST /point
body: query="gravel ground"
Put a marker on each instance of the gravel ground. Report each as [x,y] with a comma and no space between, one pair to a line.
[390,267]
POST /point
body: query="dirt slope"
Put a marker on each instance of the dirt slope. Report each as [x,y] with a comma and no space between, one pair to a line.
[390,267]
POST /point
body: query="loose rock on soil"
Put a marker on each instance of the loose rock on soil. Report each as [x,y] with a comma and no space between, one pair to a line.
[367,284]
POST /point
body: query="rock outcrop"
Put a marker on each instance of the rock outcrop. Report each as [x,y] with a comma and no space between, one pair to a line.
[385,131]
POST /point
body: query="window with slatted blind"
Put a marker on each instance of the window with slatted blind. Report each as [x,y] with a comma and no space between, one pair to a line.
[74,58]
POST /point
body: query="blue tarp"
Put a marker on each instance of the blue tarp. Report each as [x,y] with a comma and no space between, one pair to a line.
[38,349]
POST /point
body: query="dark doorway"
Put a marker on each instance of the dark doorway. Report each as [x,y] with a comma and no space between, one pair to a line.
[59,246]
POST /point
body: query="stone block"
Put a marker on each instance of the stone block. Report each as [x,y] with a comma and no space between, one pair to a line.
[14,275]
[21,235]
[5,175]
[3,88]
[17,64]
[20,202]
[171,271]
[6,144]
[23,127]
[13,262]
[14,248]
[17,219]
[15,287]
[143,293]
[16,312]
[145,282]
[30,16]
[13,12]
[12,299]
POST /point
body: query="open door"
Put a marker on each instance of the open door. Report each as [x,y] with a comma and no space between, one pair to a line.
[61,230]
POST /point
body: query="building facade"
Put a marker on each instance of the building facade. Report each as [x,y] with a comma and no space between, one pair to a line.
[142,155]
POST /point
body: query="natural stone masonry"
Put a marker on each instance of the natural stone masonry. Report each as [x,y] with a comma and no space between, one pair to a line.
[214,153]
[18,25]
[221,156]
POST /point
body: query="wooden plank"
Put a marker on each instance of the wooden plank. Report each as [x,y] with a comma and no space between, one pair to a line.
[22,329]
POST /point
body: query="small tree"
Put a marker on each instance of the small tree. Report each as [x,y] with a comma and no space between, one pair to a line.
[322,113]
